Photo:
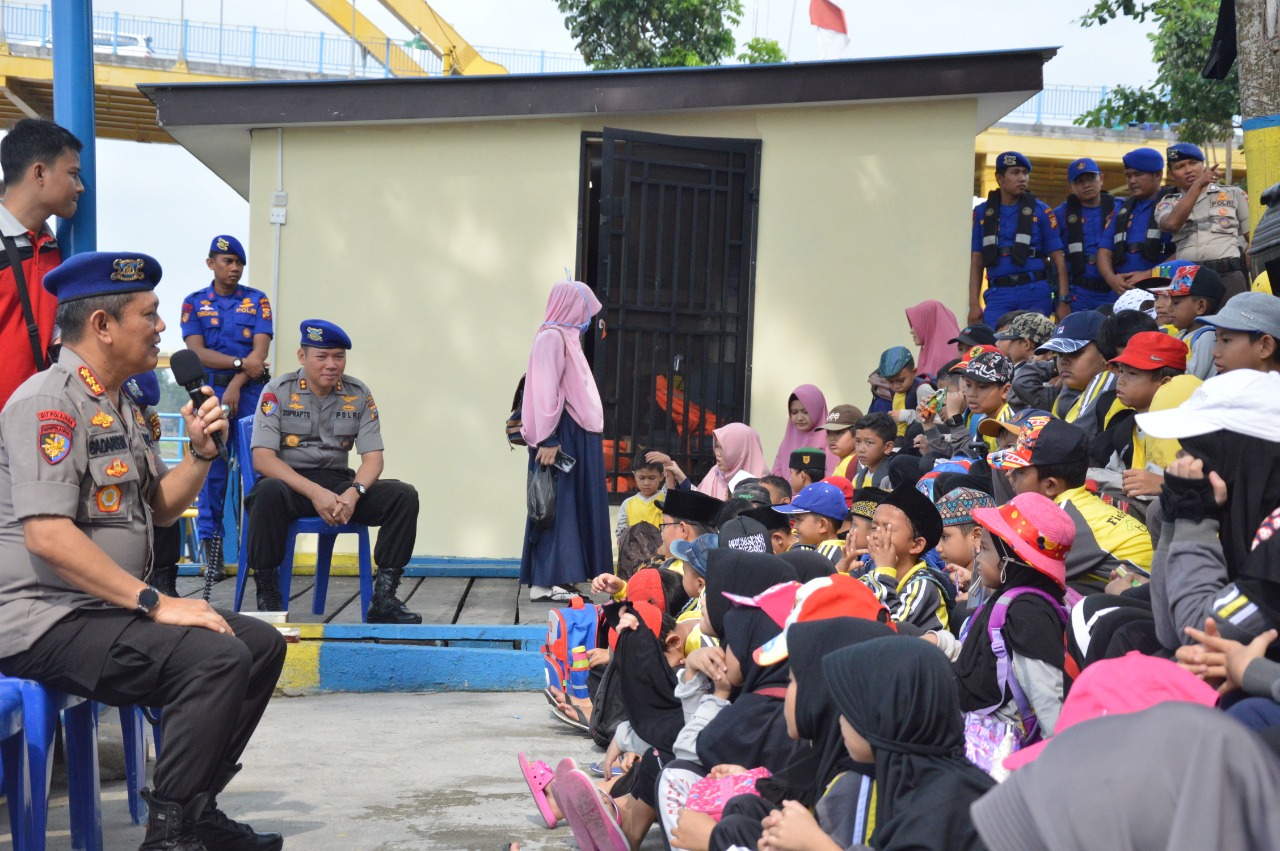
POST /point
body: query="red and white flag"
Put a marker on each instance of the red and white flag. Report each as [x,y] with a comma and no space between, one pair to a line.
[833,32]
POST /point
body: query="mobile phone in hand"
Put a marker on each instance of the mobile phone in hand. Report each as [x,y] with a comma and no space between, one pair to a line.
[564,463]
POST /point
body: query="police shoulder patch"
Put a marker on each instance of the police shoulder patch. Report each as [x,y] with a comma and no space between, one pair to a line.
[269,404]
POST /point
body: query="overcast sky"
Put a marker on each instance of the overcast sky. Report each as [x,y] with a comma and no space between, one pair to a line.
[159,200]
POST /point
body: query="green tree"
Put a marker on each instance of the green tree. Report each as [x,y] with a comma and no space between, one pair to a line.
[613,34]
[1202,109]
[762,51]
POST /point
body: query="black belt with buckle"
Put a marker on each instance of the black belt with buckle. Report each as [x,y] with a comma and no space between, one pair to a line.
[1007,251]
[1096,285]
[219,380]
[1018,279]
[1229,264]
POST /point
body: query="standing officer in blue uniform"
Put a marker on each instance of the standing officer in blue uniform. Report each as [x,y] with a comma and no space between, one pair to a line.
[1016,241]
[1081,221]
[229,327]
[1133,243]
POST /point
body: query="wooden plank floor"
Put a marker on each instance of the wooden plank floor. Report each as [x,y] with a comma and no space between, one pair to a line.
[439,599]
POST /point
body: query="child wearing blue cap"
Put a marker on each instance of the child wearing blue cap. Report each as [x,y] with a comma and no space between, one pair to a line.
[1209,221]
[1082,219]
[1133,242]
[898,369]
[817,513]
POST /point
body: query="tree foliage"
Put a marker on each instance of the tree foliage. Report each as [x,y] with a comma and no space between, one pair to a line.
[613,34]
[1202,109]
[762,51]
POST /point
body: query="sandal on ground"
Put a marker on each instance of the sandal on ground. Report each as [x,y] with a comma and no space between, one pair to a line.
[578,720]
[554,594]
[538,775]
[594,826]
[550,694]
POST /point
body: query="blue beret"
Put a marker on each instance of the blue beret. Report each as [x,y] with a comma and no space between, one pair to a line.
[1011,158]
[893,361]
[1183,151]
[223,244]
[324,335]
[144,389]
[1084,165]
[1144,159]
[98,273]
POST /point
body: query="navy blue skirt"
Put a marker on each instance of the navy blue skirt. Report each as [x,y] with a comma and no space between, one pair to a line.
[578,546]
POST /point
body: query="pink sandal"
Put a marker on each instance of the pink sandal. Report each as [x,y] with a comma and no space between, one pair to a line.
[538,775]
[594,827]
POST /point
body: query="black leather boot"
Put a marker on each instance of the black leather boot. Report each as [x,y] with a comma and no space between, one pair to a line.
[268,590]
[219,833]
[166,579]
[385,608]
[171,826]
[213,559]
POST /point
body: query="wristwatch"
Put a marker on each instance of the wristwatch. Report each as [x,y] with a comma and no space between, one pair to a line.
[360,489]
[148,599]
[237,363]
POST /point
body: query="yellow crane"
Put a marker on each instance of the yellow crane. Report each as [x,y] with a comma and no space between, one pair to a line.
[455,52]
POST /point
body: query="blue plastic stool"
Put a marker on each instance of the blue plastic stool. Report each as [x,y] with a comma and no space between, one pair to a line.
[306,526]
[13,753]
[40,707]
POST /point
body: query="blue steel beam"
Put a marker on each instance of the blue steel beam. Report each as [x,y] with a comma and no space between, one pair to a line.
[73,109]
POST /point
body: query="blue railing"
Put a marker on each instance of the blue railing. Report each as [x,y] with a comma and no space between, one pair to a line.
[173,437]
[1059,104]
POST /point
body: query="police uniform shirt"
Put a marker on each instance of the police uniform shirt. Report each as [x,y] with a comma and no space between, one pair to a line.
[1094,226]
[1044,238]
[66,450]
[312,432]
[1216,227]
[1131,259]
[227,323]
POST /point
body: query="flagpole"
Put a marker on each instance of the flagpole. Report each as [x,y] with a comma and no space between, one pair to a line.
[791,31]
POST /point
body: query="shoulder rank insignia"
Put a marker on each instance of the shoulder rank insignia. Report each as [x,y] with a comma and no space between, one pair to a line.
[90,380]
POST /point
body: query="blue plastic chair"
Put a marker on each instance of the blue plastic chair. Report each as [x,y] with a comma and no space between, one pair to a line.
[13,754]
[305,526]
[40,707]
[134,721]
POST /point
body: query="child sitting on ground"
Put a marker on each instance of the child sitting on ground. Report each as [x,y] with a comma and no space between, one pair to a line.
[873,441]
[1189,294]
[960,539]
[857,543]
[817,513]
[985,382]
[840,443]
[808,465]
[907,525]
[780,490]
[1025,544]
[1026,333]
[642,506]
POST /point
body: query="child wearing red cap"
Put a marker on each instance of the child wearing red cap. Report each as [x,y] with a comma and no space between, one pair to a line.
[1009,668]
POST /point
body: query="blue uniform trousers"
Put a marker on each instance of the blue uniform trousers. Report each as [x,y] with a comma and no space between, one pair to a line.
[214,493]
[998,301]
[1086,299]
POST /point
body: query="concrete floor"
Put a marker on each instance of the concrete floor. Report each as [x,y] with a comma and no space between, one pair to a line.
[383,772]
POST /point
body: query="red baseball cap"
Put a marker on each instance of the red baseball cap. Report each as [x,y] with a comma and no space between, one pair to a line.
[1151,350]
[969,355]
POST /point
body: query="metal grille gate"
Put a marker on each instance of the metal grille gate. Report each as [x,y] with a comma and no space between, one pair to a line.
[674,266]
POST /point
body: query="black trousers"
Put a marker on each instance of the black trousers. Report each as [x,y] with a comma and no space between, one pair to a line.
[211,688]
[742,823]
[273,505]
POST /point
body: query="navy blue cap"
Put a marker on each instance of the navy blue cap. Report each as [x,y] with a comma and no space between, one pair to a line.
[818,498]
[975,335]
[144,389]
[1084,165]
[1144,159]
[324,335]
[1183,151]
[1010,159]
[224,244]
[1077,330]
[98,273]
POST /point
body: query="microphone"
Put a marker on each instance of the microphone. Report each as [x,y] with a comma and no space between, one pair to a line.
[189,372]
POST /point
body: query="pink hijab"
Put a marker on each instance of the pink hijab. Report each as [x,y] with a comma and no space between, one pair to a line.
[559,377]
[742,451]
[793,438]
[934,324]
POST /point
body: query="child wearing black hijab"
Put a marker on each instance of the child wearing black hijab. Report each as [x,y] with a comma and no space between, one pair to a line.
[1012,696]
[899,709]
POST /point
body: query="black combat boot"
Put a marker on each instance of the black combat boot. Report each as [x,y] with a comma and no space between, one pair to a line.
[213,559]
[219,833]
[268,587]
[171,826]
[385,608]
[166,579]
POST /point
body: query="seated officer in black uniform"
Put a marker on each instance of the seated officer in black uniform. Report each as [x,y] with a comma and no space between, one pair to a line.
[304,430]
[80,485]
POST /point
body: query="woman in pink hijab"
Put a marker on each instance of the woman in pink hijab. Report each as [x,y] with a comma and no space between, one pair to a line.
[932,325]
[806,414]
[739,455]
[562,412]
